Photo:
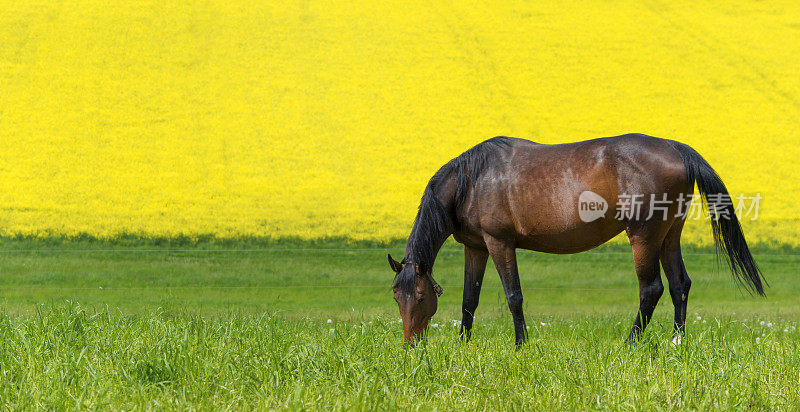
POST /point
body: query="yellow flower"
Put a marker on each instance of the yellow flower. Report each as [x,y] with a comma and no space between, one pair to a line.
[240,118]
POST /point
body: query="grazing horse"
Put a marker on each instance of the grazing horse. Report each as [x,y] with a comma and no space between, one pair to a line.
[507,193]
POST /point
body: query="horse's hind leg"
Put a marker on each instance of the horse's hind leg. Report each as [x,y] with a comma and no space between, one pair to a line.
[679,282]
[645,259]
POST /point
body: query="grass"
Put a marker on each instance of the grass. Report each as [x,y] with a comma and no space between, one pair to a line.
[214,327]
[66,356]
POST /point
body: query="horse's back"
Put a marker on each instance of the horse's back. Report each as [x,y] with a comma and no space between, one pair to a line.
[535,193]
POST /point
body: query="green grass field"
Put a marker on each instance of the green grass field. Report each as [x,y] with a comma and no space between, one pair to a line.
[129,325]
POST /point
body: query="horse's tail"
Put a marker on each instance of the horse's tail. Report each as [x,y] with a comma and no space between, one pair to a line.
[728,236]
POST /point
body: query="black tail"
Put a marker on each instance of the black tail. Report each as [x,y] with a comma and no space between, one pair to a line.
[728,236]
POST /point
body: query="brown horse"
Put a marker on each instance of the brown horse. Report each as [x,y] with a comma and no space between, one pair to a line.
[508,193]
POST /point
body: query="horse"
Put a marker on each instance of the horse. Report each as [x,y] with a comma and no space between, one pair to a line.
[508,193]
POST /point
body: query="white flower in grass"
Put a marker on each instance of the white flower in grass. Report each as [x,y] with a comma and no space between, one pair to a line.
[330,320]
[543,324]
[758,340]
[762,323]
[331,330]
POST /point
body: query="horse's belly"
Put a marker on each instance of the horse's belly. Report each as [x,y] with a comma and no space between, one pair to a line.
[554,223]
[573,240]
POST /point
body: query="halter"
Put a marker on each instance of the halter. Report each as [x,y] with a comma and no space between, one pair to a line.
[436,288]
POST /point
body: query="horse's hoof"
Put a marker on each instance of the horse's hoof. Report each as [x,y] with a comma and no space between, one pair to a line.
[633,339]
[676,340]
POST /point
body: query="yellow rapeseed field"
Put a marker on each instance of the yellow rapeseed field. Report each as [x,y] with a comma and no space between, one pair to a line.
[313,118]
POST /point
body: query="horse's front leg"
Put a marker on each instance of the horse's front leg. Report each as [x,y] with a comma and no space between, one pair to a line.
[505,260]
[474,268]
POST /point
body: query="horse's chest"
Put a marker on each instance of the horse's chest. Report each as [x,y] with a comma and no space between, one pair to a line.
[469,238]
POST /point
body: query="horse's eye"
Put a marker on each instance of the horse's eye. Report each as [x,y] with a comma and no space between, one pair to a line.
[420,298]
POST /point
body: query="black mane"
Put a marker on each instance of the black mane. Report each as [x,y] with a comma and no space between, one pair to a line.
[437,217]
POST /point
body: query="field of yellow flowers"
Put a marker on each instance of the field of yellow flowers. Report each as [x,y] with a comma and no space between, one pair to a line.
[319,119]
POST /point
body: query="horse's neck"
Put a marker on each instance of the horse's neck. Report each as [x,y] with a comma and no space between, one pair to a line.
[432,244]
[432,227]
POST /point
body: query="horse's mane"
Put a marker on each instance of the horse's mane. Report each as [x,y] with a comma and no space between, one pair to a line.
[436,220]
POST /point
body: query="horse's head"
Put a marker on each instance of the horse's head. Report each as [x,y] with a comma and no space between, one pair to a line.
[417,296]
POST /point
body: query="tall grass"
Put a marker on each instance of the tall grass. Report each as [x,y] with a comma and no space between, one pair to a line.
[127,327]
[65,356]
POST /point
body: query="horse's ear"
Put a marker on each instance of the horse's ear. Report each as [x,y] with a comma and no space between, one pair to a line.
[395,265]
